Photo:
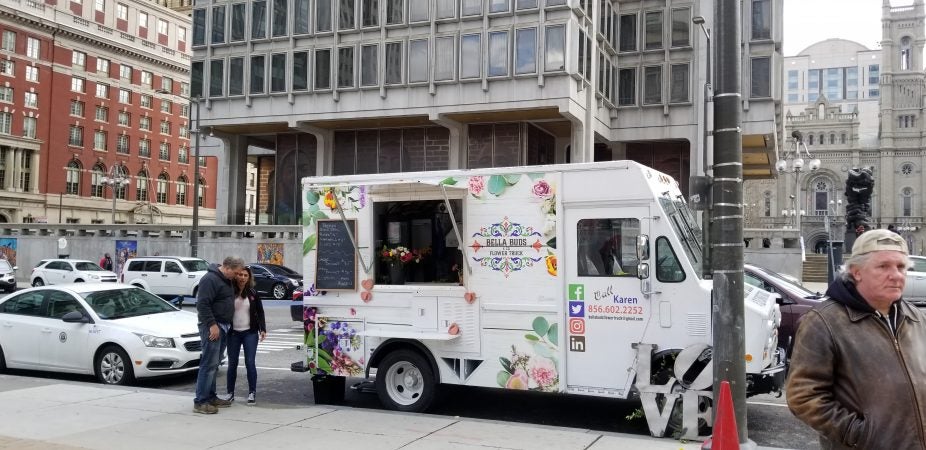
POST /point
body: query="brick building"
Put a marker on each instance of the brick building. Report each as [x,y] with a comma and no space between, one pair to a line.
[89,91]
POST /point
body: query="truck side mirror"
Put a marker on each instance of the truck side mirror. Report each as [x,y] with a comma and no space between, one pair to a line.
[642,247]
[643,271]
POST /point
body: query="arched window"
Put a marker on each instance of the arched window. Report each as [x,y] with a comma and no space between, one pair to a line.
[121,171]
[767,204]
[163,181]
[906,202]
[96,180]
[821,196]
[832,138]
[72,180]
[842,138]
[181,190]
[906,169]
[822,140]
[202,192]
[141,186]
[905,54]
[810,142]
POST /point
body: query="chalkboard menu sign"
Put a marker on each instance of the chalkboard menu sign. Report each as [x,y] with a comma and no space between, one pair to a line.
[336,259]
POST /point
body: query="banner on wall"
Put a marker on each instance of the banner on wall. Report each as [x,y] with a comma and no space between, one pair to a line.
[124,251]
[8,250]
[268,253]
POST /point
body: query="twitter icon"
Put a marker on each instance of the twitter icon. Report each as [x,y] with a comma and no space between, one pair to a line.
[576,309]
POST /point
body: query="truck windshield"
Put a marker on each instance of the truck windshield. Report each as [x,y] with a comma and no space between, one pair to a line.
[688,231]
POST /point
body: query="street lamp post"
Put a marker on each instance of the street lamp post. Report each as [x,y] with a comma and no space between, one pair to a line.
[194,232]
[834,247]
[792,161]
[117,178]
[708,86]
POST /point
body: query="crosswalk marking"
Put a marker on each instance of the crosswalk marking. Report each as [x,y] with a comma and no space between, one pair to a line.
[280,339]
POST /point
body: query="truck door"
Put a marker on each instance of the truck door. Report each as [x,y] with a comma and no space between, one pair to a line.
[605,310]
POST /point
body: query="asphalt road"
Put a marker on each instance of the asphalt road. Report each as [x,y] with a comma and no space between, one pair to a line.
[769,421]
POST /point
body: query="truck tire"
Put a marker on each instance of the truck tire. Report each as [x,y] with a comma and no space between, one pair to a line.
[405,381]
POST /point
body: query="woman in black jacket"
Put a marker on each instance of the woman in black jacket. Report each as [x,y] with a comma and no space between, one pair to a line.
[248,326]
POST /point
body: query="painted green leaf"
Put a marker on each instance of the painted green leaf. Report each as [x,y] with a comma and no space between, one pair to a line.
[531,337]
[306,218]
[541,349]
[506,364]
[502,378]
[313,208]
[323,355]
[535,176]
[553,334]
[311,197]
[324,366]
[512,179]
[497,185]
[317,215]
[309,244]
[541,326]
[449,181]
[551,243]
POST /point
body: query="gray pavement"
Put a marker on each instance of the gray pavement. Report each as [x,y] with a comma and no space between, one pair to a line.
[54,414]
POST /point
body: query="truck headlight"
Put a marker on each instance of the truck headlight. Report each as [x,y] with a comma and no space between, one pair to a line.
[157,342]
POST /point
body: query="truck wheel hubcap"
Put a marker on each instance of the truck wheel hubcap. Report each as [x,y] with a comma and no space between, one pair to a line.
[404,383]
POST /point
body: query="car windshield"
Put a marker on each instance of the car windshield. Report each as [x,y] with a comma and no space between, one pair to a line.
[129,302]
[196,265]
[89,267]
[5,265]
[282,270]
[788,284]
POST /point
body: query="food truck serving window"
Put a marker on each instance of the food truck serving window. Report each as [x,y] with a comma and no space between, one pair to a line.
[606,247]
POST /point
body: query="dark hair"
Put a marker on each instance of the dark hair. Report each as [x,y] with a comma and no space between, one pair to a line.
[249,287]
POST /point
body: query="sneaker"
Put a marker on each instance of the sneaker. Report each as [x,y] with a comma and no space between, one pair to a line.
[251,400]
[229,397]
[220,403]
[204,408]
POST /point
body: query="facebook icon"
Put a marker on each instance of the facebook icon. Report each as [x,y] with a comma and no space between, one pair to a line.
[576,292]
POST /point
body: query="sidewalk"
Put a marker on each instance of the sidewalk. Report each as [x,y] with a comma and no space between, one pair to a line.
[55,414]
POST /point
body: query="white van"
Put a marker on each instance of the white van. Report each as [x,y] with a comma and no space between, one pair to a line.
[166,276]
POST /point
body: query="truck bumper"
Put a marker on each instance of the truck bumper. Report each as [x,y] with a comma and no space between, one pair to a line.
[770,380]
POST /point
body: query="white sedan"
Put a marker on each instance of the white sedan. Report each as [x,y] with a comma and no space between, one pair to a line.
[114,331]
[61,271]
[915,289]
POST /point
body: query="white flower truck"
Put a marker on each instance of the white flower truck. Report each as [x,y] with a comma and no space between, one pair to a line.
[581,279]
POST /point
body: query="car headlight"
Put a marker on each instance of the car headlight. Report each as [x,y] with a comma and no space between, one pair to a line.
[158,342]
[294,282]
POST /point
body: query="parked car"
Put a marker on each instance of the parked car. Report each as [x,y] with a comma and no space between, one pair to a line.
[7,276]
[296,309]
[166,276]
[62,271]
[914,290]
[273,280]
[116,332]
[794,300]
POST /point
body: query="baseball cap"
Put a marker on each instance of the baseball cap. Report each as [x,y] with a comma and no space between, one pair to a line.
[876,240]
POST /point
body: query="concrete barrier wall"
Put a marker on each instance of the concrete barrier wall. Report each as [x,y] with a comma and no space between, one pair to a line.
[30,243]
[781,260]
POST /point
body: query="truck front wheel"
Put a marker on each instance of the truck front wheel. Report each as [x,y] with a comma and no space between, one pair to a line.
[405,381]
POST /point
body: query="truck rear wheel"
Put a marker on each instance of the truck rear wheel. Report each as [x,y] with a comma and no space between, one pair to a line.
[405,381]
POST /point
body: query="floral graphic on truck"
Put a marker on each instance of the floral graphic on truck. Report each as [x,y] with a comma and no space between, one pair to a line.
[535,369]
[336,340]
[506,243]
[351,198]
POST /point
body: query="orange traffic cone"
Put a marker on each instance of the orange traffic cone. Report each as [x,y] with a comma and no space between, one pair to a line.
[724,423]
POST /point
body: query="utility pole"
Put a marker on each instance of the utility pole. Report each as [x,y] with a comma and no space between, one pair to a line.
[727,213]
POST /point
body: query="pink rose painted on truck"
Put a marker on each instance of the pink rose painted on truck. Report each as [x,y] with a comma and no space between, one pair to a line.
[477,185]
[533,367]
[542,189]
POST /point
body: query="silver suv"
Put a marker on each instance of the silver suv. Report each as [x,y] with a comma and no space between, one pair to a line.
[167,276]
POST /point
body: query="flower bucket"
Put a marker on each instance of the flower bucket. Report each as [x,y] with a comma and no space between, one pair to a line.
[328,390]
[397,273]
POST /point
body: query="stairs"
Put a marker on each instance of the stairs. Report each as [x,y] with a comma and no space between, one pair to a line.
[814,269]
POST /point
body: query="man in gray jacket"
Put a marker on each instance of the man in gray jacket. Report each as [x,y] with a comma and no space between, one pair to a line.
[215,306]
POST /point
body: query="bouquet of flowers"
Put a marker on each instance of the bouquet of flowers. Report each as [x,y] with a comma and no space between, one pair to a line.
[399,254]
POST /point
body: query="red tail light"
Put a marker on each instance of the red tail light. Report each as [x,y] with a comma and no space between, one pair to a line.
[297,295]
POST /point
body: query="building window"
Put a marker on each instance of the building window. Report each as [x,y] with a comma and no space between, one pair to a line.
[122,11]
[199,27]
[218,24]
[278,71]
[8,41]
[322,69]
[78,60]
[167,84]
[32,74]
[6,123]
[77,84]
[183,155]
[652,85]
[627,87]
[31,100]
[216,77]
[498,6]
[905,53]
[874,79]
[369,58]
[842,138]
[164,152]
[346,14]
[165,127]
[301,15]
[525,51]
[257,84]
[418,66]
[144,123]
[280,14]
[761,78]
[125,119]
[125,96]
[7,67]
[166,106]
[29,125]
[395,11]
[100,5]
[181,190]
[810,140]
[147,78]
[184,132]
[761,19]
[122,144]
[470,56]
[832,138]
[418,10]
[141,186]
[125,72]
[906,202]
[653,30]
[102,66]
[393,62]
[102,114]
[102,90]
[121,189]
[162,27]
[162,188]
[76,136]
[906,169]
[681,18]
[369,13]
[498,53]
[792,80]
[96,180]
[322,16]
[446,9]
[33,46]
[6,94]
[72,179]
[345,67]
[201,195]
[238,22]
[144,148]
[627,33]
[679,84]
[235,76]
[444,59]
[99,140]
[144,101]
[259,20]
[77,108]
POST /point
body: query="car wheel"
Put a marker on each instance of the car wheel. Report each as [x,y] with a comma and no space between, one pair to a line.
[2,361]
[113,366]
[279,291]
[78,280]
[405,381]
[38,282]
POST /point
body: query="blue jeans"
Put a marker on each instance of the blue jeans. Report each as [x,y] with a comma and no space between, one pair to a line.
[237,339]
[208,364]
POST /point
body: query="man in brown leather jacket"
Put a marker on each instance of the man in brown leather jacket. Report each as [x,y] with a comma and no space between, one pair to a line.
[858,372]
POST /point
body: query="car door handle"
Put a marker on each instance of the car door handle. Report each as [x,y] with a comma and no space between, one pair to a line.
[46,330]
[164,276]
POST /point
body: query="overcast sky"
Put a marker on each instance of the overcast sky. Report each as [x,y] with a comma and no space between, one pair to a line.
[809,21]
